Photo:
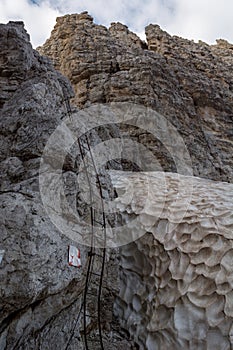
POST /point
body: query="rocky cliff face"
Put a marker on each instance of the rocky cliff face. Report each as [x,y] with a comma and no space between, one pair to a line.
[40,293]
[171,287]
[34,275]
[191,86]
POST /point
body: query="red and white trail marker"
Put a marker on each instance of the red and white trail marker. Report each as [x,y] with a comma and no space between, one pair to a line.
[74,258]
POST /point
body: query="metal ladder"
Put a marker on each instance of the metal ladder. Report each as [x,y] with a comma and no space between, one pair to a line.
[91,305]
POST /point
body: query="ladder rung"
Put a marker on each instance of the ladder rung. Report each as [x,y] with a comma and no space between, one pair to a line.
[88,315]
[91,316]
[88,165]
[99,255]
[91,253]
[91,293]
[89,176]
[95,254]
[99,222]
[85,147]
[93,340]
[96,274]
[99,240]
[96,235]
[95,195]
[96,202]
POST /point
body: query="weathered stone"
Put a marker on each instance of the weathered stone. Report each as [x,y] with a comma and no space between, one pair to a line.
[189,83]
[40,294]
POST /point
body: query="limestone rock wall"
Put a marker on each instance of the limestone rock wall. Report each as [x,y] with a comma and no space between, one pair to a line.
[189,83]
[176,281]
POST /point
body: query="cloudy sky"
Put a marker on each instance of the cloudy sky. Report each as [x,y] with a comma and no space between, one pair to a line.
[194,19]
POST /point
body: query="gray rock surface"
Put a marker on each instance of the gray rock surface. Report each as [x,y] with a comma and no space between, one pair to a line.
[40,295]
[36,283]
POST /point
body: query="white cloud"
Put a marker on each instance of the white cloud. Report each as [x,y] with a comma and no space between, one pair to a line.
[39,20]
[194,19]
[135,13]
[203,19]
